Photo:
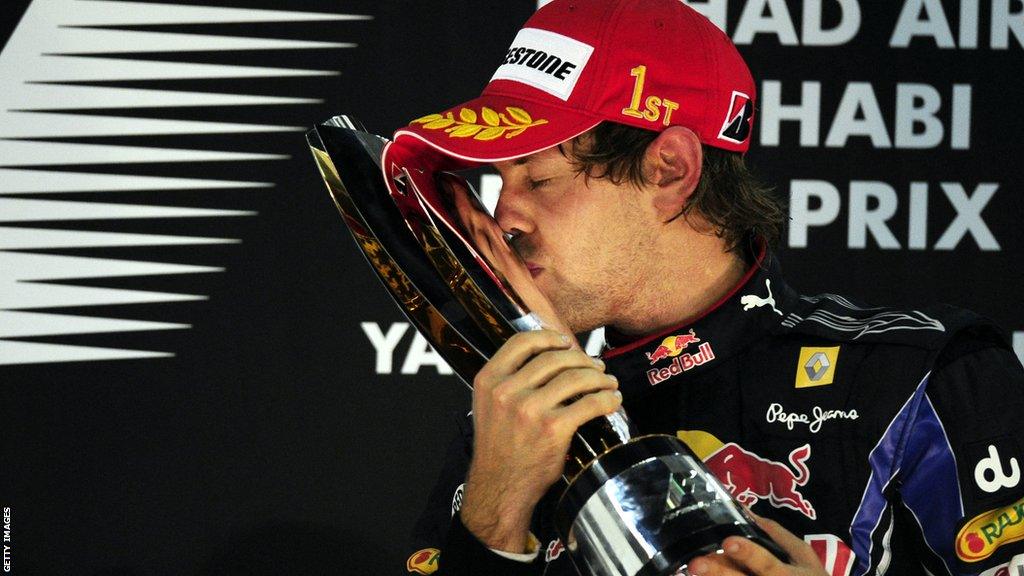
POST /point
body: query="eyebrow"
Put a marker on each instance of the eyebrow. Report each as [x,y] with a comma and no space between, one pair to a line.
[521,161]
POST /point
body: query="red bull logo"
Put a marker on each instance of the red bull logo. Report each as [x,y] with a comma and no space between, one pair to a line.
[672,346]
[751,478]
[682,363]
[423,561]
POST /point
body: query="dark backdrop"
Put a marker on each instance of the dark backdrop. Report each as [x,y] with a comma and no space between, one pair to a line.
[188,377]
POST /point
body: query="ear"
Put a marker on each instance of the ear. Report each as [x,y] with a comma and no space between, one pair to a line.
[672,164]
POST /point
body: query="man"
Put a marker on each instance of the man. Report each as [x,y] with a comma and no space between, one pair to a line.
[881,439]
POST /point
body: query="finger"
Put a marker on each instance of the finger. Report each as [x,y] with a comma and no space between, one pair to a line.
[590,406]
[547,365]
[799,551]
[568,384]
[518,350]
[713,565]
[542,404]
[753,558]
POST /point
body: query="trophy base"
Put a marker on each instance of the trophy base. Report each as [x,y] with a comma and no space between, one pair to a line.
[646,508]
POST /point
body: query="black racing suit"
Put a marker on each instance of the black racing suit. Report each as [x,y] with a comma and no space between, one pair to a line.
[890,440]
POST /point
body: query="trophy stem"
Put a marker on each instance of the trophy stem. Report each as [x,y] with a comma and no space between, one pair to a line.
[595,438]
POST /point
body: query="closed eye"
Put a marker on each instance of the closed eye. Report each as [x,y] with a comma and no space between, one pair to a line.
[535,184]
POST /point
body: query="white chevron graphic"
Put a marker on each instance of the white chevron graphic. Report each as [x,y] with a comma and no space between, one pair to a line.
[23,210]
[23,324]
[14,352]
[41,182]
[18,124]
[18,153]
[59,41]
[25,238]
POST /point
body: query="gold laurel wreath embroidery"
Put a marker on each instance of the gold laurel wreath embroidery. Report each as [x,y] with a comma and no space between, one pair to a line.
[495,124]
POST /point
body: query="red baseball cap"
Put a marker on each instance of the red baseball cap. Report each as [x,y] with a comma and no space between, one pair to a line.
[576,63]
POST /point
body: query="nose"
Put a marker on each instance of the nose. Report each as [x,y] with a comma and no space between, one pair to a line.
[512,211]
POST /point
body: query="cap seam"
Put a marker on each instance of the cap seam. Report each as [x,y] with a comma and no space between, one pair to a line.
[534,100]
[607,29]
[711,59]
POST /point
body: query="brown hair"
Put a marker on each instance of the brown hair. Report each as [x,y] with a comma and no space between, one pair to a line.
[740,206]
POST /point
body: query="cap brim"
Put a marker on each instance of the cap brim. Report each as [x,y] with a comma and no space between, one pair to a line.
[494,128]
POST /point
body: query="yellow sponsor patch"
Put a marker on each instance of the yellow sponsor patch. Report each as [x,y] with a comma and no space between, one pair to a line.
[423,561]
[816,366]
[702,443]
[984,534]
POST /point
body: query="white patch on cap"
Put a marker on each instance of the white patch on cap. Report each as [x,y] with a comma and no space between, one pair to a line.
[545,60]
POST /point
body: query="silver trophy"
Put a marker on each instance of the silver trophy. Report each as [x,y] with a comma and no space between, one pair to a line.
[630,504]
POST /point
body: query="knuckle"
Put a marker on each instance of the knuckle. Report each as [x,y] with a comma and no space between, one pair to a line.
[616,400]
[551,426]
[554,336]
[605,401]
[771,567]
[611,401]
[518,339]
[563,358]
[595,403]
[578,356]
[588,376]
[548,360]
[583,359]
[525,412]
[603,381]
[594,375]
[502,397]
[481,379]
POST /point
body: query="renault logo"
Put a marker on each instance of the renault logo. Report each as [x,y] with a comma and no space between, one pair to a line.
[816,366]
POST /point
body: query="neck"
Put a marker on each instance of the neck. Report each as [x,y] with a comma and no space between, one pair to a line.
[696,279]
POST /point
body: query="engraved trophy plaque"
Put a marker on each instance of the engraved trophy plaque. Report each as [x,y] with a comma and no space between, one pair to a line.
[630,504]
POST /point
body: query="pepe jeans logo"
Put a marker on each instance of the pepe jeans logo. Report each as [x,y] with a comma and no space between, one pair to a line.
[488,125]
[813,421]
[546,61]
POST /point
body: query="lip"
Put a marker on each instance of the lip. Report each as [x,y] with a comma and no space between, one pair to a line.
[534,269]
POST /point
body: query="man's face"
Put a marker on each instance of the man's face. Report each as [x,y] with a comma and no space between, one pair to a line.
[586,241]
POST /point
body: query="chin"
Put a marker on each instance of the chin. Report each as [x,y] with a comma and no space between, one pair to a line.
[578,325]
[572,310]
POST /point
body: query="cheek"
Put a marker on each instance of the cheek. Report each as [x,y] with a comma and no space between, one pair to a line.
[596,247]
[596,229]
